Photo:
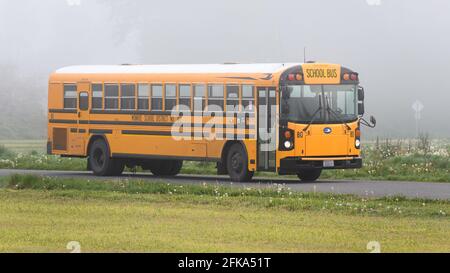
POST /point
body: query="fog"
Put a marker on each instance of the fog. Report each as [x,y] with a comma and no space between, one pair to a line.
[401,48]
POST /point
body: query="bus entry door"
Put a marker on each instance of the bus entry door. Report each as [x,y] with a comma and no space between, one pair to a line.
[81,133]
[267,102]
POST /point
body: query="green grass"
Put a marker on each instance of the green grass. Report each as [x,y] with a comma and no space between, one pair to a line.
[43,214]
[24,146]
[274,196]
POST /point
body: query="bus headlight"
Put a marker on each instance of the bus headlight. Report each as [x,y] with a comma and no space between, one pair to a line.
[358,143]
[288,144]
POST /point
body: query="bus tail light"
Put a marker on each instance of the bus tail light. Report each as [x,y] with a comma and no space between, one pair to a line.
[291,77]
[354,77]
[346,77]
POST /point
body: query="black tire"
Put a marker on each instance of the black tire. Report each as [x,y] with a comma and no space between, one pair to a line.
[101,163]
[309,175]
[166,167]
[177,165]
[237,164]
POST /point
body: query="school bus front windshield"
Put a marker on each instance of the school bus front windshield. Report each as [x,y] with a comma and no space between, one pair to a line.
[320,104]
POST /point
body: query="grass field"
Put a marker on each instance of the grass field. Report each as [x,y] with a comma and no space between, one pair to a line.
[44,214]
[406,160]
[25,146]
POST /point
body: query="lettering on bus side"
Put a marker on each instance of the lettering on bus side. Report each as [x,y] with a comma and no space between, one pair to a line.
[136,117]
[153,118]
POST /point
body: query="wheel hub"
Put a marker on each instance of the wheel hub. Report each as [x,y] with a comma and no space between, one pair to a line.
[236,162]
[99,158]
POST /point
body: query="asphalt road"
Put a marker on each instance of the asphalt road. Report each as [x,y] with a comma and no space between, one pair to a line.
[425,190]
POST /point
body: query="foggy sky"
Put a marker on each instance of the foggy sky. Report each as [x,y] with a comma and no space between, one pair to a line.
[401,48]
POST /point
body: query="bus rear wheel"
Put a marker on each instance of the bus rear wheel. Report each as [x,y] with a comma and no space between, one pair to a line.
[166,167]
[309,175]
[237,164]
[101,163]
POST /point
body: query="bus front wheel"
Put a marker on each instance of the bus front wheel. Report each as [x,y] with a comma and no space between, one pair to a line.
[237,164]
[309,175]
[101,163]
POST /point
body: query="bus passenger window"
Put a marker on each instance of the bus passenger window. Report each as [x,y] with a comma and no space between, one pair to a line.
[128,97]
[215,96]
[248,98]
[185,96]
[171,97]
[232,98]
[70,96]
[157,97]
[84,101]
[199,97]
[144,96]
[111,96]
[97,96]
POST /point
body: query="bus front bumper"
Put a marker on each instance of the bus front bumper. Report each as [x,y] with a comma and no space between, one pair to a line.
[291,165]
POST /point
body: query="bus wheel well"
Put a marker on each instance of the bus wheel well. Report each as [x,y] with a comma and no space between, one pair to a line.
[95,138]
[227,147]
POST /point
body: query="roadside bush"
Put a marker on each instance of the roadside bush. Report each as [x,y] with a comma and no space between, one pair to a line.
[4,152]
[424,144]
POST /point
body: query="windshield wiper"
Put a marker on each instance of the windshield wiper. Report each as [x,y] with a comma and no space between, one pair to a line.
[331,111]
[314,115]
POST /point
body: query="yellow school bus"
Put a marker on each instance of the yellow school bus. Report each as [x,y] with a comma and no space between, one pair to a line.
[290,118]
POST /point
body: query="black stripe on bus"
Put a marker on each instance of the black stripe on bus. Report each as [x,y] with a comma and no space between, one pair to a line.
[100,131]
[156,113]
[63,121]
[156,133]
[124,112]
[166,157]
[191,134]
[225,126]
[136,123]
[240,78]
[71,111]
[73,130]
[146,133]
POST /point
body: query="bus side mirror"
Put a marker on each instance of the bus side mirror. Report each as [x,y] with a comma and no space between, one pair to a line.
[361,109]
[373,120]
[361,94]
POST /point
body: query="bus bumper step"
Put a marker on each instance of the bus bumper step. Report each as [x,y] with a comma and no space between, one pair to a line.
[292,165]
